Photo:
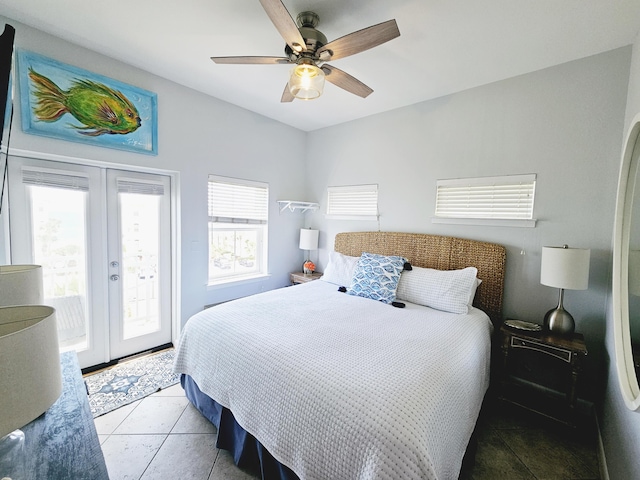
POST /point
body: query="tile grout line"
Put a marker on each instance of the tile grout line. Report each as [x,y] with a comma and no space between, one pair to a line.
[153,457]
[579,458]
[513,452]
[179,417]
[163,442]
[214,461]
[575,454]
[122,421]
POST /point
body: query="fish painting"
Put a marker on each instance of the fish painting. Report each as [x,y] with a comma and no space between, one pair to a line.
[65,102]
[100,109]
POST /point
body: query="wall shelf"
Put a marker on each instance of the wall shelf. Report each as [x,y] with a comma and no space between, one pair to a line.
[294,205]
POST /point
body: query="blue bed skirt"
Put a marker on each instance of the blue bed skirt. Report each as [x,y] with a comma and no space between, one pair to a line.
[248,453]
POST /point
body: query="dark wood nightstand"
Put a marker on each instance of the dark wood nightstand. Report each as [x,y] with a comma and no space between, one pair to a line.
[565,355]
[299,277]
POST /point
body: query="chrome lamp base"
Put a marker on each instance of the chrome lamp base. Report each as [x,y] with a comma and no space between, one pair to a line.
[558,320]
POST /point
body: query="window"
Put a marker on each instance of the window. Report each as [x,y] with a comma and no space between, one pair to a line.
[238,212]
[505,200]
[354,202]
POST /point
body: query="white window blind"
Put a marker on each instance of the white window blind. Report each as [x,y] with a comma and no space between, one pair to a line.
[144,188]
[353,201]
[238,213]
[509,197]
[57,180]
[237,201]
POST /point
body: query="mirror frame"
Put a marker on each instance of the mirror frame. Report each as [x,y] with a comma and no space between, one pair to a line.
[620,279]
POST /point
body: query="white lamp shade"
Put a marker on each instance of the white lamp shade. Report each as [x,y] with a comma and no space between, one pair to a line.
[308,239]
[566,268]
[30,377]
[21,285]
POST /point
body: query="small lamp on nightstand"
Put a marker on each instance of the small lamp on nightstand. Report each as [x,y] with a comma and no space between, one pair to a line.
[308,241]
[563,268]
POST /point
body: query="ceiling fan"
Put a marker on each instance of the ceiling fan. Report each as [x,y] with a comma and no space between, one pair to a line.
[307,48]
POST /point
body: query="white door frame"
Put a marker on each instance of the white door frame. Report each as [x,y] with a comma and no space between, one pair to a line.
[175,247]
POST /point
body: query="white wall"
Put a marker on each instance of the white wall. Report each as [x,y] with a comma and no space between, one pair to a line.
[620,426]
[197,135]
[563,123]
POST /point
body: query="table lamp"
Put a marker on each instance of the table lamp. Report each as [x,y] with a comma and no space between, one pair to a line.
[308,241]
[30,376]
[21,285]
[563,268]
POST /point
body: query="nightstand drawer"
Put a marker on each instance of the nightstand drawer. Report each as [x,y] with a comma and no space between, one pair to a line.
[560,353]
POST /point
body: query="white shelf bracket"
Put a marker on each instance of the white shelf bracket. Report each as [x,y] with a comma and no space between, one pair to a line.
[294,205]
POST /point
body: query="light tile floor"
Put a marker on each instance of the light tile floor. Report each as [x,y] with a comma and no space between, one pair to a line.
[164,437]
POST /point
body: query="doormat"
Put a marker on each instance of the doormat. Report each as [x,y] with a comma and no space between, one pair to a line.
[129,381]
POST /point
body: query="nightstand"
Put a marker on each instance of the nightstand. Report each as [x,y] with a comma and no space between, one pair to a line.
[299,277]
[559,354]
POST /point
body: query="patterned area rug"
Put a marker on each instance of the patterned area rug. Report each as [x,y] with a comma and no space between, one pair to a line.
[129,381]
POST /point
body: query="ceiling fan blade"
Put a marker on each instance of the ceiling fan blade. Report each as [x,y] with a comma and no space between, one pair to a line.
[345,81]
[286,95]
[361,40]
[284,23]
[251,60]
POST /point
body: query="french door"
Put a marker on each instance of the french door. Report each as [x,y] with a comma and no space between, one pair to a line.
[102,237]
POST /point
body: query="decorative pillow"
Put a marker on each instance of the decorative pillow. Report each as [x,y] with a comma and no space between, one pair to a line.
[446,290]
[376,277]
[340,269]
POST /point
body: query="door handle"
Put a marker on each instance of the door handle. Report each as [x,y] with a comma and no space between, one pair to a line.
[114,278]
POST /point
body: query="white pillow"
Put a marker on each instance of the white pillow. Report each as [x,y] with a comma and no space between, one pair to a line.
[340,269]
[446,290]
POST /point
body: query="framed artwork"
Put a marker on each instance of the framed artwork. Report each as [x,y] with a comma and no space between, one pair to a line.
[69,103]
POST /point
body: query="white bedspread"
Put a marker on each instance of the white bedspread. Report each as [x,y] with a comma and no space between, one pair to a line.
[343,387]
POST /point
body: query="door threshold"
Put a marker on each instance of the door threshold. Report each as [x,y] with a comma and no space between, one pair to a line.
[104,366]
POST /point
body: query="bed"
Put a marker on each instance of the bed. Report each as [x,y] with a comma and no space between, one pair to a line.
[313,383]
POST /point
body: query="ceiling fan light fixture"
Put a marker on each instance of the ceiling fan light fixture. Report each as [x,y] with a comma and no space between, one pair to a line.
[306,81]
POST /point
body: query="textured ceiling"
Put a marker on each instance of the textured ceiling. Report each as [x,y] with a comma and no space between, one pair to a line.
[445,45]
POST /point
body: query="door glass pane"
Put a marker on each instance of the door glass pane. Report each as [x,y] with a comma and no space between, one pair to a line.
[139,227]
[59,245]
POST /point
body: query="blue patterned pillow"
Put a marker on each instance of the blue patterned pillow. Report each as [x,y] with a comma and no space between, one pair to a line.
[376,277]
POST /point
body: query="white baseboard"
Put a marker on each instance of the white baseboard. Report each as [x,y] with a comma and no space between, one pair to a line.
[602,460]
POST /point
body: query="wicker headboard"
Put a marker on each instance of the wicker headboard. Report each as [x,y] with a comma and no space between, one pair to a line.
[442,253]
